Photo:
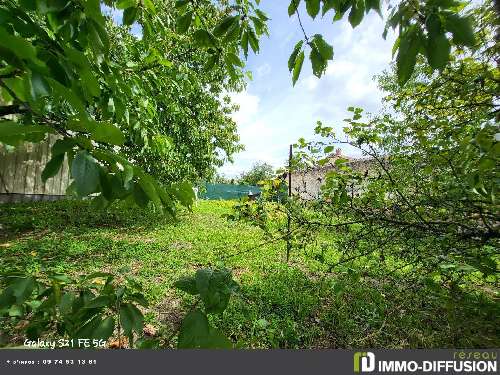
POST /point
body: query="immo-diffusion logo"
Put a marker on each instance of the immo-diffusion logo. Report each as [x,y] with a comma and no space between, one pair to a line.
[366,360]
[457,362]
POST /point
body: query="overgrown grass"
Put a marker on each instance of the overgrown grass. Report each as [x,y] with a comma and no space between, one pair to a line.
[280,306]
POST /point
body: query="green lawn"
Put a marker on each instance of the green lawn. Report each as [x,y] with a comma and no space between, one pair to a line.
[280,305]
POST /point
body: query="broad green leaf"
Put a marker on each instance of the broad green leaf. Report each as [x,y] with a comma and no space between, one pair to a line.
[85,172]
[215,288]
[357,12]
[147,184]
[292,8]
[61,146]
[39,86]
[318,63]
[130,15]
[124,4]
[131,319]
[461,28]
[244,43]
[297,67]
[203,38]
[433,25]
[187,284]
[183,22]
[19,46]
[234,60]
[12,128]
[253,40]
[184,192]
[216,340]
[407,54]
[140,196]
[233,33]
[22,288]
[293,56]
[223,27]
[52,167]
[100,301]
[312,7]
[325,50]
[373,4]
[108,133]
[194,330]
[90,82]
[261,15]
[97,329]
[438,51]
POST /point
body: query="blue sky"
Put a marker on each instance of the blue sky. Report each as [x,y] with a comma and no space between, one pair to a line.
[273,114]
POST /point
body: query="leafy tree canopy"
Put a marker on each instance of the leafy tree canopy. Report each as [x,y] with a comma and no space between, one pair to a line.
[259,172]
[131,110]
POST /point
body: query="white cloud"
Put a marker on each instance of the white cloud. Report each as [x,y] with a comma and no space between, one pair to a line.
[249,105]
[263,70]
[310,83]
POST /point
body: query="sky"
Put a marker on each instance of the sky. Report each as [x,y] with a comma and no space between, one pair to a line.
[273,114]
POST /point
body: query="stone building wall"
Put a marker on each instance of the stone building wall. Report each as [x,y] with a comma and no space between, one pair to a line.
[307,184]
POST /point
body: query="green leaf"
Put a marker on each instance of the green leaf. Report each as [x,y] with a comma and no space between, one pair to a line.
[293,56]
[216,340]
[39,86]
[90,82]
[124,4]
[318,63]
[184,192]
[223,27]
[373,4]
[19,46]
[108,133]
[438,51]
[9,129]
[147,184]
[181,3]
[140,196]
[52,167]
[261,15]
[433,25]
[129,15]
[407,54]
[194,330]
[187,284]
[312,7]
[253,40]
[61,146]
[293,6]
[97,329]
[357,12]
[234,60]
[325,50]
[85,172]
[203,38]
[183,22]
[22,288]
[461,28]
[215,288]
[244,43]
[297,67]
[131,319]
[196,333]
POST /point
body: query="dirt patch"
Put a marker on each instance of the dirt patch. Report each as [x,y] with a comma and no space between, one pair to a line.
[170,313]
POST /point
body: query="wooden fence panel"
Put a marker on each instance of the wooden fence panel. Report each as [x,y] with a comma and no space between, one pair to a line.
[21,171]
